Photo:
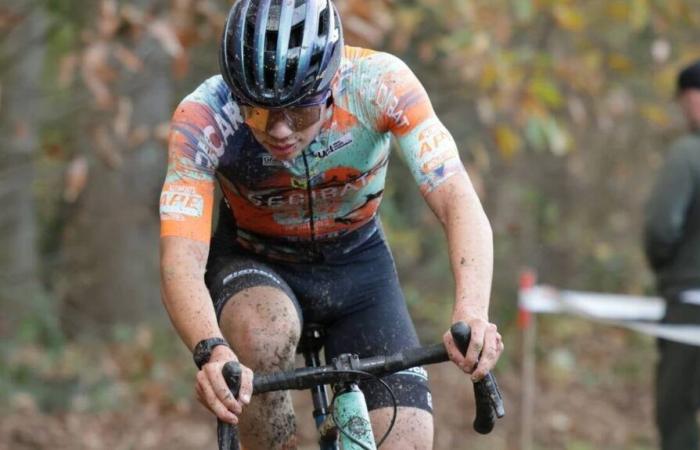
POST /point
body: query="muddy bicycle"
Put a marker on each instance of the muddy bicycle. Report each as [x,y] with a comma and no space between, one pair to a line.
[344,423]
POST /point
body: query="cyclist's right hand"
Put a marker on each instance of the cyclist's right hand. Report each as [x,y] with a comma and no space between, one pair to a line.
[214,394]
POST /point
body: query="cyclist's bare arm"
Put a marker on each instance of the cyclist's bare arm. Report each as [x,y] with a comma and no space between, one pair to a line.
[470,244]
[187,300]
[182,264]
[186,209]
[433,158]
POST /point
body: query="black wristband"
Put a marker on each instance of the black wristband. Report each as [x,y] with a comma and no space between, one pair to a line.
[202,351]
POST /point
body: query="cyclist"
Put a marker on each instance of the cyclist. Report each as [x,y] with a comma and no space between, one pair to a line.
[296,132]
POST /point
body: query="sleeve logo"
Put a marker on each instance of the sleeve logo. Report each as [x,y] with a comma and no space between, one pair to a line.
[181,202]
[341,143]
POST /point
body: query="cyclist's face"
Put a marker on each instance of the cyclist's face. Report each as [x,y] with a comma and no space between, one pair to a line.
[285,132]
[690,102]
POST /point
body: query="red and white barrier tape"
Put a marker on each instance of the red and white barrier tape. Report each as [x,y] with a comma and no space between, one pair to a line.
[634,312]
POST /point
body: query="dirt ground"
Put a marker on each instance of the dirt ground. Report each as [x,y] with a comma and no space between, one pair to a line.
[571,416]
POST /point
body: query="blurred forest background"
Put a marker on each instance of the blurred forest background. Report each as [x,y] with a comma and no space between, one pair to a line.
[562,109]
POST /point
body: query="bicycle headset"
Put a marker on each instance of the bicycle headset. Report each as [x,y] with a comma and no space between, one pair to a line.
[277,53]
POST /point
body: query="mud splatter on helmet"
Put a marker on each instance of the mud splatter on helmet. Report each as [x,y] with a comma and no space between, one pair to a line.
[275,53]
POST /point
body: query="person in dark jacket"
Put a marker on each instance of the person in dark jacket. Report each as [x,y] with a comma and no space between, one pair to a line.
[672,245]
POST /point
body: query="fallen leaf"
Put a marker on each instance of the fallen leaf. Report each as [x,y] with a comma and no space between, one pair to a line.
[122,120]
[75,179]
[164,32]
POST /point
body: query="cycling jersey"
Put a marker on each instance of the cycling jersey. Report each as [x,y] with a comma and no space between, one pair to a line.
[332,188]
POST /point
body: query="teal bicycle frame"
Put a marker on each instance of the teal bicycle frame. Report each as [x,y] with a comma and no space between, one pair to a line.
[351,418]
[348,419]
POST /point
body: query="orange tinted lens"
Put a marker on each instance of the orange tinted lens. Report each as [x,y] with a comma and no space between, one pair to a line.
[256,117]
[303,117]
[298,119]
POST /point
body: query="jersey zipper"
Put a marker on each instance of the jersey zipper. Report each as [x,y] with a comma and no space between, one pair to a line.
[309,194]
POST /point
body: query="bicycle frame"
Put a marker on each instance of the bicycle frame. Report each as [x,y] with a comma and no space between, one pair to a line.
[349,406]
[350,410]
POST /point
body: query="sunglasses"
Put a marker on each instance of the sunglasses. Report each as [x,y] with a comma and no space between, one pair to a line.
[298,118]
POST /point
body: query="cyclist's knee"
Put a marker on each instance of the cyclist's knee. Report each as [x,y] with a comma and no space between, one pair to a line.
[413,428]
[263,326]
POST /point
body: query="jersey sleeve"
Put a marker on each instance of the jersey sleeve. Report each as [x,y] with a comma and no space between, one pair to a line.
[405,110]
[186,201]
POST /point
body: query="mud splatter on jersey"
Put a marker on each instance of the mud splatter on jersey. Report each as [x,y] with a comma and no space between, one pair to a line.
[332,188]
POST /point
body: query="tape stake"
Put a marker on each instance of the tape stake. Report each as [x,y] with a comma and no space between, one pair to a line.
[528,279]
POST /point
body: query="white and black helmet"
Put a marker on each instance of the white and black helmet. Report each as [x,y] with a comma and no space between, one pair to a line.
[275,53]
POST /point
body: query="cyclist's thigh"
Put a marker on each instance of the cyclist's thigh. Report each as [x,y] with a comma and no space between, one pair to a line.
[381,326]
[413,428]
[255,307]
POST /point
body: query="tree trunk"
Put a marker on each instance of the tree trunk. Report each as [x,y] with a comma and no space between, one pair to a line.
[111,242]
[22,295]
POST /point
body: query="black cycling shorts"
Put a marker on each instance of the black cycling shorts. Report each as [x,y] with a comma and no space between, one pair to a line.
[354,295]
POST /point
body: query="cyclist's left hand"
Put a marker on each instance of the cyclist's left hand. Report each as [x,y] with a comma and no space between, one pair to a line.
[485,347]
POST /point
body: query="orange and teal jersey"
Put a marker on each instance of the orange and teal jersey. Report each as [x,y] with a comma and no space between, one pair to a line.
[333,187]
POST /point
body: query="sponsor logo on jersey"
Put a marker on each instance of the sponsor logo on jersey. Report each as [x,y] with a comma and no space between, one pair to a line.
[331,193]
[419,372]
[299,183]
[389,103]
[341,143]
[212,147]
[270,161]
[181,201]
[244,272]
[433,139]
[435,163]
[385,99]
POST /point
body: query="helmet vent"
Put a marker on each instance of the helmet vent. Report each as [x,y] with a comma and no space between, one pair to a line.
[323,23]
[302,66]
[248,62]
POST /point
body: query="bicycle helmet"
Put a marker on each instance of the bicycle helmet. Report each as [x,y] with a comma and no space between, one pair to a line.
[275,53]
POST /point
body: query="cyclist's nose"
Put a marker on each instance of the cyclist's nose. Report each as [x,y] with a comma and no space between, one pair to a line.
[278,127]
